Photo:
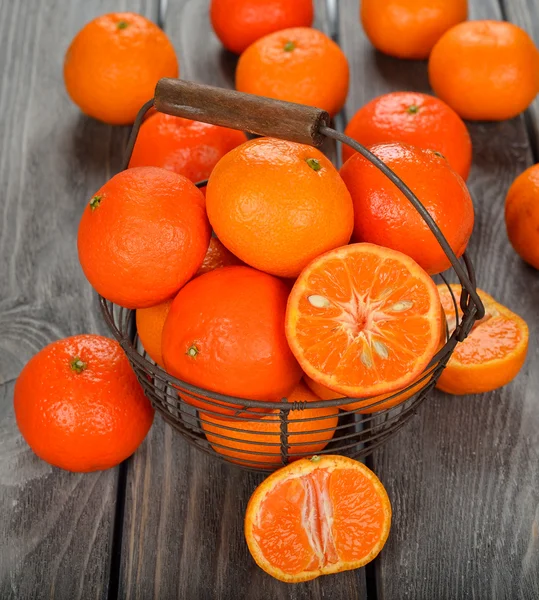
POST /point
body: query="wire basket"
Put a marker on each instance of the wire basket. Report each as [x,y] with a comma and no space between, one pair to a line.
[285,436]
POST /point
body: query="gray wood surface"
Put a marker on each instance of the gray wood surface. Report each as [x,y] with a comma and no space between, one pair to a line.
[183,526]
[55,527]
[463,477]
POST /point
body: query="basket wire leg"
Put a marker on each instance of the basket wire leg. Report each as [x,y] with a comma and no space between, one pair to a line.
[283,419]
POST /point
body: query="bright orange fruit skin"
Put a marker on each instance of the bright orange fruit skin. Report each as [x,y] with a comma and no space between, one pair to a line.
[150,323]
[409,28]
[485,70]
[522,215]
[217,256]
[299,65]
[263,435]
[413,118]
[239,23]
[79,406]
[492,354]
[225,333]
[364,320]
[273,210]
[113,64]
[291,539]
[384,216]
[142,236]
[187,147]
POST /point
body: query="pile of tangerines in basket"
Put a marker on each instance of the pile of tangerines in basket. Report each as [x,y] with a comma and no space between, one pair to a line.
[286,277]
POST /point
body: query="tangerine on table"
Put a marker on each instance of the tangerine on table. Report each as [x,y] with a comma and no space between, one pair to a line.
[277,205]
[485,70]
[413,118]
[142,236]
[225,333]
[187,147]
[258,442]
[492,354]
[409,28]
[384,216]
[299,65]
[239,23]
[79,406]
[364,320]
[113,64]
[293,540]
[522,215]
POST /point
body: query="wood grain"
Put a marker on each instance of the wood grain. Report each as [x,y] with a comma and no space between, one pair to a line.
[183,528]
[463,477]
[56,527]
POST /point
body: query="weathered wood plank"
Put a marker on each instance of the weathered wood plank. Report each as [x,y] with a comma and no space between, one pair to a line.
[183,527]
[56,527]
[463,477]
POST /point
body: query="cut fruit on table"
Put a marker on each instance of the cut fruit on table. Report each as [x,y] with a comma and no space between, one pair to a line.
[258,442]
[492,354]
[315,517]
[364,320]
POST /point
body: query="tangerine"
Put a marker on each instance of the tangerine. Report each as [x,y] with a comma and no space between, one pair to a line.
[79,406]
[299,65]
[113,64]
[150,323]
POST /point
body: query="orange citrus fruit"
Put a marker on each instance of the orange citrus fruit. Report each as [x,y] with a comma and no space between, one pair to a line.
[315,517]
[299,65]
[492,354]
[239,23]
[277,205]
[187,147]
[113,64]
[522,215]
[409,28]
[258,442]
[142,236]
[150,323]
[485,70]
[384,216]
[413,118]
[363,320]
[217,256]
[225,333]
[79,406]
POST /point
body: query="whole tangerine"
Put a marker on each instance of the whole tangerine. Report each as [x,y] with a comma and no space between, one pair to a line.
[187,147]
[79,406]
[299,65]
[225,333]
[142,236]
[150,323]
[113,64]
[413,118]
[277,205]
[485,70]
[409,28]
[384,216]
[239,23]
[522,215]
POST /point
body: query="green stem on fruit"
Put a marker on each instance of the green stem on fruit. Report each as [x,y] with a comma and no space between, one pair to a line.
[412,109]
[289,46]
[192,351]
[122,24]
[77,365]
[95,202]
[313,163]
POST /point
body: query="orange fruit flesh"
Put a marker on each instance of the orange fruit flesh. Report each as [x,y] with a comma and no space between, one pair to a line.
[317,516]
[364,320]
[492,354]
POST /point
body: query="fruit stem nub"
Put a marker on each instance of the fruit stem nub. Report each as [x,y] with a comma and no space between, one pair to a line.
[313,163]
[289,46]
[315,459]
[78,365]
[413,109]
[122,24]
[192,351]
[95,202]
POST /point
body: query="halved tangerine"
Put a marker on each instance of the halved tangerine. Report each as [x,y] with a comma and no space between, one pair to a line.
[363,320]
[492,354]
[318,516]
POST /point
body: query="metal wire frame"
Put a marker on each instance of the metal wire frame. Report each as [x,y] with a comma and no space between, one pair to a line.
[360,429]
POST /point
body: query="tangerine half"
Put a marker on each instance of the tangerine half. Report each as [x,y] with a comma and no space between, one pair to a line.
[318,516]
[364,320]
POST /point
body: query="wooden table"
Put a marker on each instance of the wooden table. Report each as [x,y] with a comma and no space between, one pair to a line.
[463,476]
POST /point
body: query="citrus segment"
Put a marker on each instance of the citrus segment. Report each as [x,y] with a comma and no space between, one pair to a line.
[317,516]
[363,320]
[492,354]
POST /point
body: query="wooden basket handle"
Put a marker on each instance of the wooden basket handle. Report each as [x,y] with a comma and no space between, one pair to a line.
[237,110]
